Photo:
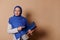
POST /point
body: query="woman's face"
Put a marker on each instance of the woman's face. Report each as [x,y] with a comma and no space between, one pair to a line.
[17,11]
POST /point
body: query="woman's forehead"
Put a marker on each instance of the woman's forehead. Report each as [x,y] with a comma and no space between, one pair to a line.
[17,8]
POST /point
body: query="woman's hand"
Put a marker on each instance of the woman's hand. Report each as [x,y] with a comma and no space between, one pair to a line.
[30,32]
[19,28]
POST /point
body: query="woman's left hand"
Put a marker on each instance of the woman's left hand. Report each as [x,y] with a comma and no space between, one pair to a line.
[30,32]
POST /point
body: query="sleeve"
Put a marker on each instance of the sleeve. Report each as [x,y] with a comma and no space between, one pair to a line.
[10,30]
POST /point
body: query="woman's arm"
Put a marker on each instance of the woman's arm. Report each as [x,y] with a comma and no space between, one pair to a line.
[10,30]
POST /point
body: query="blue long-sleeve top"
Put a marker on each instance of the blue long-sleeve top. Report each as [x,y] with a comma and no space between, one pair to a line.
[17,21]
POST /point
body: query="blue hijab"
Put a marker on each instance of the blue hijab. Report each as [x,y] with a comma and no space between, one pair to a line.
[17,21]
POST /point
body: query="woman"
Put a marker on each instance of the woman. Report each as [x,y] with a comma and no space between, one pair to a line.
[18,25]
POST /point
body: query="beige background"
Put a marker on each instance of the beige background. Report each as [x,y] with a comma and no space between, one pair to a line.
[46,14]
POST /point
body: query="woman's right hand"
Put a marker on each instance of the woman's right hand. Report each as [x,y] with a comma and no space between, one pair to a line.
[19,28]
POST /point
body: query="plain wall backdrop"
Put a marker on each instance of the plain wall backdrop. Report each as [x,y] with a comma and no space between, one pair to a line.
[45,13]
